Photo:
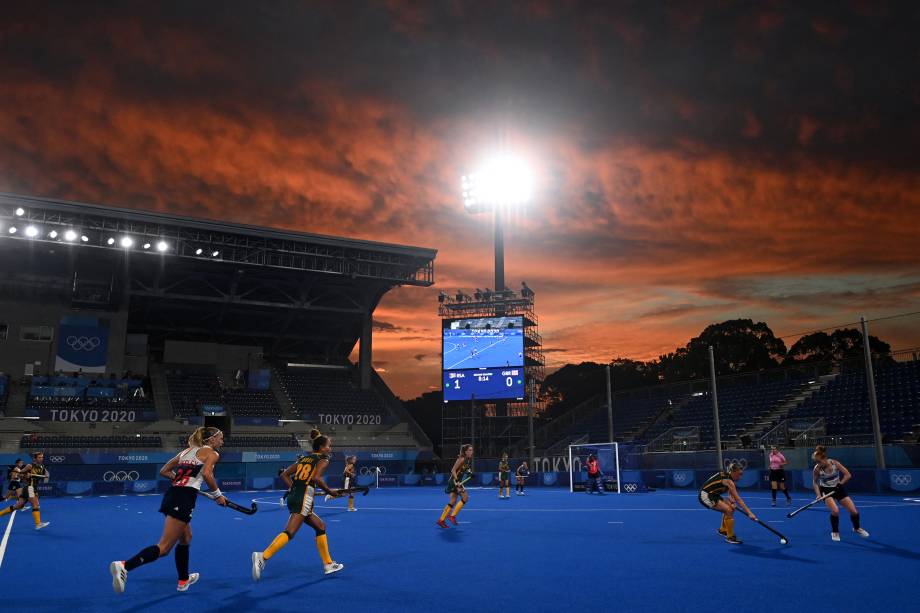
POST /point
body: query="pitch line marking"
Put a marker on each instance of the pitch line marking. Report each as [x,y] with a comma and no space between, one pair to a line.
[6,537]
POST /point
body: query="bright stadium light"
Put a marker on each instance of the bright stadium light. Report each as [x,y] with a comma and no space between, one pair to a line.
[127,242]
[12,230]
[31,231]
[111,241]
[214,254]
[199,251]
[52,234]
[502,181]
[70,235]
[162,246]
[84,238]
[146,245]
[20,212]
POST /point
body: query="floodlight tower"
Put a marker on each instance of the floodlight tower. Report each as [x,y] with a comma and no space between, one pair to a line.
[501,183]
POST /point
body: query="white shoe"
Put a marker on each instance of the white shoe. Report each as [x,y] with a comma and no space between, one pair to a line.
[258,563]
[44,524]
[119,576]
[862,532]
[352,509]
[334,567]
[184,585]
[327,498]
[835,536]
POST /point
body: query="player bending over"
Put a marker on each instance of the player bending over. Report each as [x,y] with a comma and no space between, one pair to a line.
[29,476]
[828,477]
[186,471]
[521,475]
[711,498]
[300,479]
[504,477]
[461,472]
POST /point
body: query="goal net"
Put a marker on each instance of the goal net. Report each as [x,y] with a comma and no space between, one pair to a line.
[608,458]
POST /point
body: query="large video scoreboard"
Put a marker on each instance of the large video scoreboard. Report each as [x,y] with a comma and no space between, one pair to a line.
[483,358]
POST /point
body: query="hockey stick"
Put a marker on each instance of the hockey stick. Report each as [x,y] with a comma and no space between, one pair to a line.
[236,507]
[782,538]
[809,505]
[354,490]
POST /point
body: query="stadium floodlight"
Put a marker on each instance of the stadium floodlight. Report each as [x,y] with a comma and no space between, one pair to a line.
[146,245]
[127,242]
[52,234]
[20,212]
[214,254]
[111,241]
[199,251]
[504,180]
[70,235]
[31,231]
[12,230]
[162,246]
[84,238]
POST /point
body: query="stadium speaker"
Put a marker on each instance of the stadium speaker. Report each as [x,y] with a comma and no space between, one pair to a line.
[219,421]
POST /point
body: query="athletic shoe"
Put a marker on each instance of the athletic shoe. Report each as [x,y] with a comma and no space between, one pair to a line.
[788,502]
[734,540]
[327,498]
[443,523]
[258,563]
[184,585]
[334,567]
[722,532]
[452,519]
[835,536]
[862,532]
[44,524]
[119,576]
[352,509]
[773,504]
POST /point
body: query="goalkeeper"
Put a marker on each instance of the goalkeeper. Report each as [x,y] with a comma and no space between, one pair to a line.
[595,476]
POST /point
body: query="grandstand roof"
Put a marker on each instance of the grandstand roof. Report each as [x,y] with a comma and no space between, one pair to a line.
[294,293]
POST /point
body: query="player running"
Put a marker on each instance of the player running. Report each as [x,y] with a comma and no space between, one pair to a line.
[504,477]
[29,476]
[711,498]
[778,474]
[14,475]
[300,479]
[521,475]
[186,471]
[828,477]
[461,472]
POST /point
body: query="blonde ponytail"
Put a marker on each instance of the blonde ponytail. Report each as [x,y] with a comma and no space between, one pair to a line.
[201,435]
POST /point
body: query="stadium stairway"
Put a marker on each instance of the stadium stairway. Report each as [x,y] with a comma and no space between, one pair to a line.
[780,412]
[16,400]
[160,391]
[287,409]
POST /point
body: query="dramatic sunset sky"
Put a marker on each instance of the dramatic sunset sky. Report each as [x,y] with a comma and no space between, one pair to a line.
[696,161]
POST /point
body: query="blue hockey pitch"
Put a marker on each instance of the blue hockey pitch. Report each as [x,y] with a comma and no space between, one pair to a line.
[547,551]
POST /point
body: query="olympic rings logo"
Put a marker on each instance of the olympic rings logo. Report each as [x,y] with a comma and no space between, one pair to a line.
[901,479]
[680,477]
[632,488]
[83,343]
[742,462]
[120,476]
[370,470]
[57,458]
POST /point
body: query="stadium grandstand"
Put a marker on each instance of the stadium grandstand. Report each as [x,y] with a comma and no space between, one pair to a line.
[122,329]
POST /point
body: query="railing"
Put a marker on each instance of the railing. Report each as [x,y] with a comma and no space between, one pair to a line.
[681,438]
[795,432]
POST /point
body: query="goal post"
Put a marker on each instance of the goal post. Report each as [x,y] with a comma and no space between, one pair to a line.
[607,454]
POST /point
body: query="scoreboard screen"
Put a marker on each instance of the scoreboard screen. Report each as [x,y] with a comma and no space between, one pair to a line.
[484,384]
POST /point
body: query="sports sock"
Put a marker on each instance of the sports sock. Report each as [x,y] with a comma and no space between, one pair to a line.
[729,526]
[457,509]
[280,541]
[36,516]
[855,519]
[835,523]
[788,497]
[182,562]
[6,511]
[773,493]
[144,556]
[445,512]
[722,527]
[322,545]
[351,503]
